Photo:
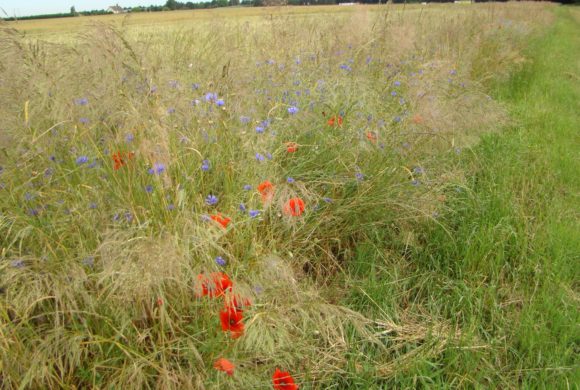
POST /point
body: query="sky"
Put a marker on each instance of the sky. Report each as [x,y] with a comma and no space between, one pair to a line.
[37,7]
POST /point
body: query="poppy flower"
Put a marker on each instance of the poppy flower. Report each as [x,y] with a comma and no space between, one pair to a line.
[372,136]
[282,380]
[335,121]
[216,284]
[291,147]
[294,207]
[231,320]
[224,365]
[266,189]
[417,119]
[119,161]
[224,221]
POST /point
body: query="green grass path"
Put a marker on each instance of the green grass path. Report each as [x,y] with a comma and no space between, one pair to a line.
[532,174]
[506,267]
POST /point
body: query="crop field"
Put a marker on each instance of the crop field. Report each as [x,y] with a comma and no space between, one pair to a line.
[331,197]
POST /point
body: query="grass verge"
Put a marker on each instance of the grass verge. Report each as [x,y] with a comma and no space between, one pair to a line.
[503,264]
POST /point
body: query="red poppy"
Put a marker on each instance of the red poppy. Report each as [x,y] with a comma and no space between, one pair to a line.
[335,121]
[216,284]
[231,320]
[224,365]
[224,221]
[283,380]
[266,189]
[372,136]
[294,207]
[418,119]
[159,301]
[119,161]
[291,147]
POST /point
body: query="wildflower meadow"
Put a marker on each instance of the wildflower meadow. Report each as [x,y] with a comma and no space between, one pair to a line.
[268,198]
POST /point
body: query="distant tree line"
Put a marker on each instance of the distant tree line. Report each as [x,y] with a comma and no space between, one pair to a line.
[172,5]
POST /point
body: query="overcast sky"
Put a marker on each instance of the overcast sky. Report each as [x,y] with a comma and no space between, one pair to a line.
[35,7]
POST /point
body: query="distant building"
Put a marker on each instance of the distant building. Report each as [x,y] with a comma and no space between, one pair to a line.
[116,9]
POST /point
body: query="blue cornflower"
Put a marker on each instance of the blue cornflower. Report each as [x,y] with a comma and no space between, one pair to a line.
[242,207]
[170,207]
[345,67]
[149,188]
[82,101]
[48,172]
[247,187]
[129,137]
[28,196]
[84,121]
[93,164]
[369,59]
[82,160]
[418,170]
[128,216]
[220,261]
[259,157]
[254,213]
[269,156]
[290,180]
[211,200]
[210,96]
[415,182]
[453,72]
[245,119]
[158,169]
[397,119]
[259,129]
[194,86]
[397,83]
[205,165]
[170,110]
[19,263]
[359,176]
[393,93]
[327,200]
[33,212]
[220,102]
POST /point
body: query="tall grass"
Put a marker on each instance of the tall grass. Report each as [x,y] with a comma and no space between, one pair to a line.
[101,266]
